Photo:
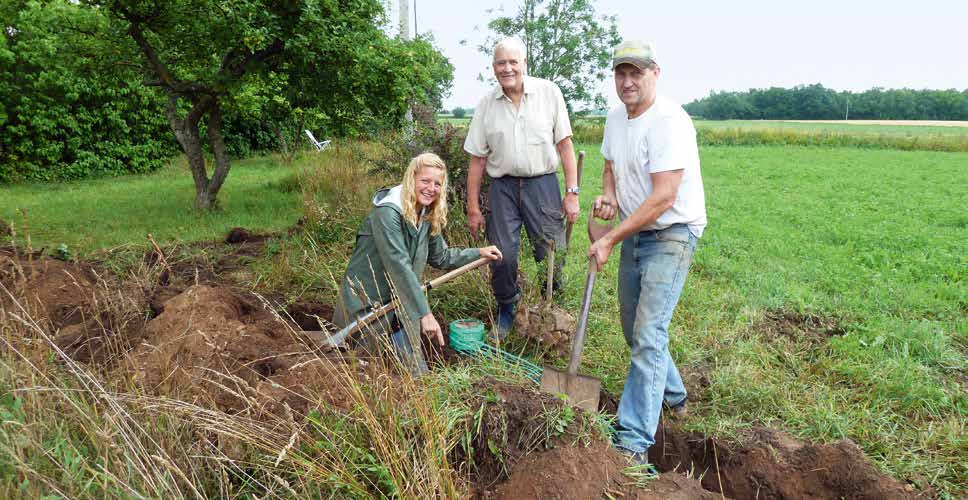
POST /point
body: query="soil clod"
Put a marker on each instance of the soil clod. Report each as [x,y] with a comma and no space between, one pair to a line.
[237,235]
[548,324]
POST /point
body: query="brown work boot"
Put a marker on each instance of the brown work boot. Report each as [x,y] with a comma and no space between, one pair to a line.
[680,411]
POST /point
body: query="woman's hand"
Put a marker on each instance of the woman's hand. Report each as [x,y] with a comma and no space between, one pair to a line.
[491,252]
[430,328]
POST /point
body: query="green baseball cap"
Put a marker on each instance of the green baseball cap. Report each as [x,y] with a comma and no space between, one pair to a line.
[634,52]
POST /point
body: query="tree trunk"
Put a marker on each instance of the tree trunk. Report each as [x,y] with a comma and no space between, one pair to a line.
[284,144]
[217,143]
[188,136]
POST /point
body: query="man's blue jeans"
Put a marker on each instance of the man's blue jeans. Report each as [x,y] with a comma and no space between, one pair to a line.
[652,271]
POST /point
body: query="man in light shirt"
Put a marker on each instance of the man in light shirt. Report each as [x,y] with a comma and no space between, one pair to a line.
[519,131]
[652,179]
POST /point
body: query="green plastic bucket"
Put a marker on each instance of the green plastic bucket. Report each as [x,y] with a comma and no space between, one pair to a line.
[467,334]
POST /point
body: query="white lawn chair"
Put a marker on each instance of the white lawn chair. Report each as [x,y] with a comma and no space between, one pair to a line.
[320,146]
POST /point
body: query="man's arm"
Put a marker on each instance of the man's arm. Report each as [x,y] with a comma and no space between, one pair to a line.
[665,188]
[475,172]
[566,151]
[606,205]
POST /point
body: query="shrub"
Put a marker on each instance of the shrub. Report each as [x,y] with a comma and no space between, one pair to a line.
[426,134]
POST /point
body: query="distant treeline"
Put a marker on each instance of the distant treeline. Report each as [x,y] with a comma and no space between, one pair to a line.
[815,102]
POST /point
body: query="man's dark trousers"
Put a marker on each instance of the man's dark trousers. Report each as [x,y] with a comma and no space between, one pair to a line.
[534,202]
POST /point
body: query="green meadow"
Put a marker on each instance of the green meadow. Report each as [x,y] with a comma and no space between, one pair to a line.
[828,297]
[844,128]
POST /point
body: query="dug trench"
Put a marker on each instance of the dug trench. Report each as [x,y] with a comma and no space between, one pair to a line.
[210,341]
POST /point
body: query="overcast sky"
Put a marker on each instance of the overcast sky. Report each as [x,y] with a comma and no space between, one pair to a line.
[707,45]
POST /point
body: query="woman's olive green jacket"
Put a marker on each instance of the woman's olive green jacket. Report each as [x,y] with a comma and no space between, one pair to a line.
[390,256]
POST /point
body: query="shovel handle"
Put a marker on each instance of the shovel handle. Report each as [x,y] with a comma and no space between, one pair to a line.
[384,309]
[551,270]
[568,226]
[579,343]
[440,280]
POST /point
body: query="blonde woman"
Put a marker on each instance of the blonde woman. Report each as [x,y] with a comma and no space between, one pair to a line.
[398,238]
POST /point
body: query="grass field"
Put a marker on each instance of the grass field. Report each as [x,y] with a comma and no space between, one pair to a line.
[828,297]
[845,128]
[109,212]
[865,255]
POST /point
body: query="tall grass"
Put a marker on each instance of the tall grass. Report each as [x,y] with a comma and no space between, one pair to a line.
[79,432]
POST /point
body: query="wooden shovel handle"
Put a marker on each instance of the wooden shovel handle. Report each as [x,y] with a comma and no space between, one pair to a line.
[440,280]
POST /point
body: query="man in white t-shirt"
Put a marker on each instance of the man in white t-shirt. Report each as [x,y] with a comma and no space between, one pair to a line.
[652,177]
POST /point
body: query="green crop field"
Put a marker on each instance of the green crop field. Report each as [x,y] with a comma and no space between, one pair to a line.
[841,128]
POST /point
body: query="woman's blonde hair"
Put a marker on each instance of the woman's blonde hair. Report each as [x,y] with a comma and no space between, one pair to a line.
[436,212]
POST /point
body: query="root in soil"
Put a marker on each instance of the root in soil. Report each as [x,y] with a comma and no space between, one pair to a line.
[548,324]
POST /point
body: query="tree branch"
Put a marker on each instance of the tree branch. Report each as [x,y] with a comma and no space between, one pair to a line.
[159,67]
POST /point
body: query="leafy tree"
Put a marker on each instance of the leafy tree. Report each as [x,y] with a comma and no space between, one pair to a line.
[566,42]
[459,112]
[68,110]
[264,60]
[814,102]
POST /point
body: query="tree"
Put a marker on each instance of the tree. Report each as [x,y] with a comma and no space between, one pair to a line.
[211,57]
[566,43]
[67,109]
[459,112]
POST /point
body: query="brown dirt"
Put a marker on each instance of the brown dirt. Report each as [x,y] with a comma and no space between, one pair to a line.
[517,455]
[305,315]
[813,328]
[218,345]
[594,471]
[548,324]
[237,235]
[91,321]
[62,290]
[213,344]
[774,465]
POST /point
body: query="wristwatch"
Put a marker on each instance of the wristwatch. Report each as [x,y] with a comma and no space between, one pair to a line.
[572,190]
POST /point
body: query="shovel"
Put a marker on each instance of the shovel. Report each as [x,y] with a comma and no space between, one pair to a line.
[321,339]
[551,243]
[583,391]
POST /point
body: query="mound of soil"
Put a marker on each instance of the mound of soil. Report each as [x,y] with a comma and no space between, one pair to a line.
[91,323]
[214,344]
[62,291]
[237,235]
[773,465]
[548,324]
[518,455]
[590,472]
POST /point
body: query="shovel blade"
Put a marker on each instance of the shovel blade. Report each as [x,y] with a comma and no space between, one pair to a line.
[582,391]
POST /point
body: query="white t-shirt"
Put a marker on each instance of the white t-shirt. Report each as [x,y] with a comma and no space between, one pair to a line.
[519,141]
[661,139]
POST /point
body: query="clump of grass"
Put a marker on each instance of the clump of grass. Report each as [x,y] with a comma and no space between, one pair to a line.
[336,190]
